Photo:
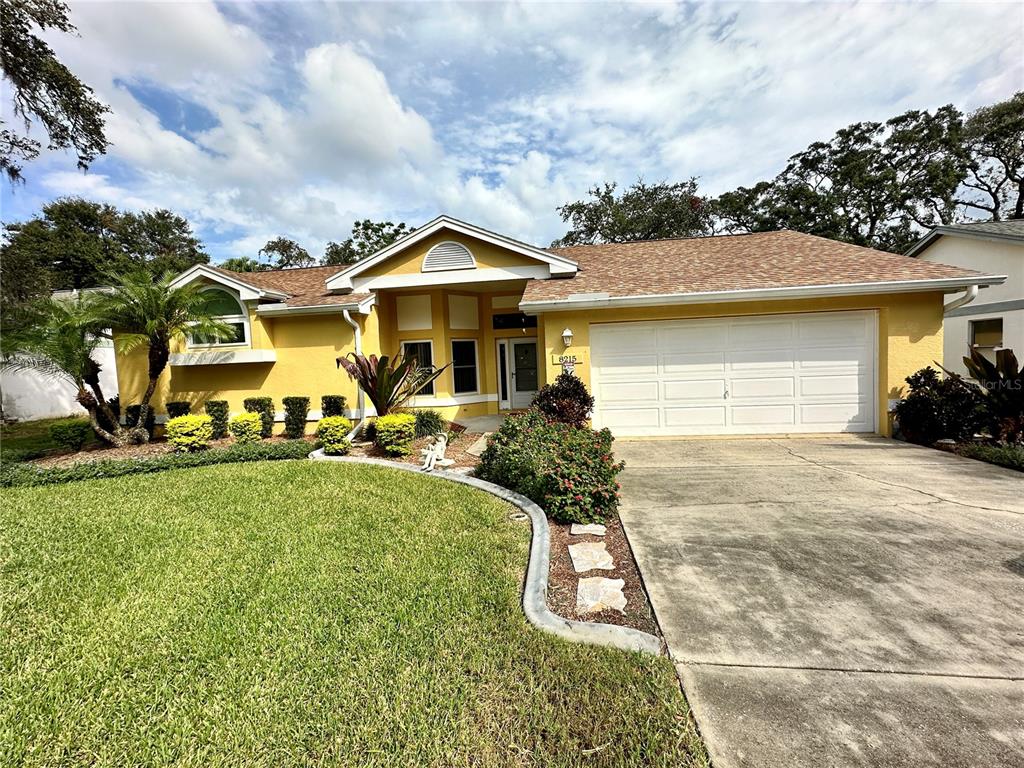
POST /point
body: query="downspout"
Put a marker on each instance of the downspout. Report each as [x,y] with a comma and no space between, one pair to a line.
[359,391]
[969,295]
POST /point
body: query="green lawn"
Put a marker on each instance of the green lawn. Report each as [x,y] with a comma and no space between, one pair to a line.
[299,613]
[31,438]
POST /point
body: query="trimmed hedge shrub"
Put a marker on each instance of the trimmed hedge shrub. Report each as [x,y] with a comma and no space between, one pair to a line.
[395,433]
[567,470]
[131,418]
[566,400]
[27,474]
[71,434]
[296,409]
[332,405]
[217,410]
[264,406]
[246,427]
[178,408]
[429,422]
[333,434]
[189,433]
[938,408]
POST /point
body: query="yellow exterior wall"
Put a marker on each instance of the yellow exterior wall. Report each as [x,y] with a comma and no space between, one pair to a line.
[306,348]
[486,255]
[909,332]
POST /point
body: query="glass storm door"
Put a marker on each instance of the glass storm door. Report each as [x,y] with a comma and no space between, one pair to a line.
[524,373]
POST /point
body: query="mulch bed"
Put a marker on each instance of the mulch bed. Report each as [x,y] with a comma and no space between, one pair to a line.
[456,451]
[562,579]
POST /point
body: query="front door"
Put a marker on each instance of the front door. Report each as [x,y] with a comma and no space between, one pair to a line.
[524,372]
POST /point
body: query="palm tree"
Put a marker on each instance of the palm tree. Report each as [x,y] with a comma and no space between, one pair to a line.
[151,313]
[59,338]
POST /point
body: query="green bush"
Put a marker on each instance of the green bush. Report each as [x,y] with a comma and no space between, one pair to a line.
[567,470]
[296,409]
[429,422]
[71,434]
[178,408]
[264,406]
[28,474]
[1010,456]
[217,410]
[333,434]
[567,400]
[938,408]
[395,433]
[131,418]
[246,427]
[332,405]
[189,433]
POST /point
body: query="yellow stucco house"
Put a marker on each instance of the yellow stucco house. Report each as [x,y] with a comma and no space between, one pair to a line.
[775,332]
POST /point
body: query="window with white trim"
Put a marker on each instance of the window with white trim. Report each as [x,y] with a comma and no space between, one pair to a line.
[464,367]
[988,333]
[423,351]
[229,310]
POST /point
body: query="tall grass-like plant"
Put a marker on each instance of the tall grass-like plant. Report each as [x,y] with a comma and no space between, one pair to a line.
[389,382]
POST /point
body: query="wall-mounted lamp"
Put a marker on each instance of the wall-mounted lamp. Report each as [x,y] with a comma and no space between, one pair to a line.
[567,337]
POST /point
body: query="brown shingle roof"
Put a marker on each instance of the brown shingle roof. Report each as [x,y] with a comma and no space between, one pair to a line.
[783,259]
[305,287]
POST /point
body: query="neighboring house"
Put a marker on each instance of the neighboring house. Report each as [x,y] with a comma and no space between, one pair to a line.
[775,332]
[995,318]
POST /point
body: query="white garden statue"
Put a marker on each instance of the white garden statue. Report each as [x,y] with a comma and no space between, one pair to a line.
[433,454]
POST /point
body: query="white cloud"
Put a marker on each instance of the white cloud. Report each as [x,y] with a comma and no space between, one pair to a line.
[322,114]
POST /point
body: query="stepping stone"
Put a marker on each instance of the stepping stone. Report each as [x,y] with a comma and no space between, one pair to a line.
[478,447]
[600,594]
[590,555]
[592,529]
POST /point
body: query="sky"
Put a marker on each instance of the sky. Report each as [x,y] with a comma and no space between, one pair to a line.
[255,120]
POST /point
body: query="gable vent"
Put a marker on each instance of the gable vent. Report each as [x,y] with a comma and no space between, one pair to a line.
[448,255]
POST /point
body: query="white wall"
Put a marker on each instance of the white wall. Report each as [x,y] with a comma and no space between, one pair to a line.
[994,257]
[28,395]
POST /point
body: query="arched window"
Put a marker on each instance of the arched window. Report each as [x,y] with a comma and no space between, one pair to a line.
[229,310]
[448,255]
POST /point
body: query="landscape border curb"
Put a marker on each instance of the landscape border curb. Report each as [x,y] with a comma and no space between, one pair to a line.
[535,589]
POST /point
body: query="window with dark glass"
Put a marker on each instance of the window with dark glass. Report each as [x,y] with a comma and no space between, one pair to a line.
[464,366]
[988,333]
[423,353]
[511,320]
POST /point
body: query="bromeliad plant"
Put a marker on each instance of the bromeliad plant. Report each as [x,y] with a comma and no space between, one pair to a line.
[389,382]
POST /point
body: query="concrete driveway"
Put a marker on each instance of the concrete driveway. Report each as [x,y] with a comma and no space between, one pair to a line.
[836,601]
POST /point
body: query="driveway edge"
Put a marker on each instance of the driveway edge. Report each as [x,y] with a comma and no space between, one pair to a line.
[535,589]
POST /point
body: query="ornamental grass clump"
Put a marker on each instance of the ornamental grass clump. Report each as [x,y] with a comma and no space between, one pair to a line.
[332,431]
[429,422]
[568,470]
[189,433]
[394,433]
[296,409]
[246,428]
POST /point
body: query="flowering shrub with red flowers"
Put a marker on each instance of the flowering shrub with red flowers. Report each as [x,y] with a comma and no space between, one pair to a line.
[567,470]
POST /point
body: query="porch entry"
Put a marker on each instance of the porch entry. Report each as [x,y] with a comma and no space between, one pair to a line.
[518,373]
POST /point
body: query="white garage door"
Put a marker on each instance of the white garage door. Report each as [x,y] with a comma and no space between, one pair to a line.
[752,375]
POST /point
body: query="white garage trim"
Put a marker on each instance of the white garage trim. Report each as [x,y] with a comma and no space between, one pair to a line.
[760,374]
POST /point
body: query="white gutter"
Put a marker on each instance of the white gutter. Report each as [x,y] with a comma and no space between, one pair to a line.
[312,309]
[359,391]
[599,301]
[967,298]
